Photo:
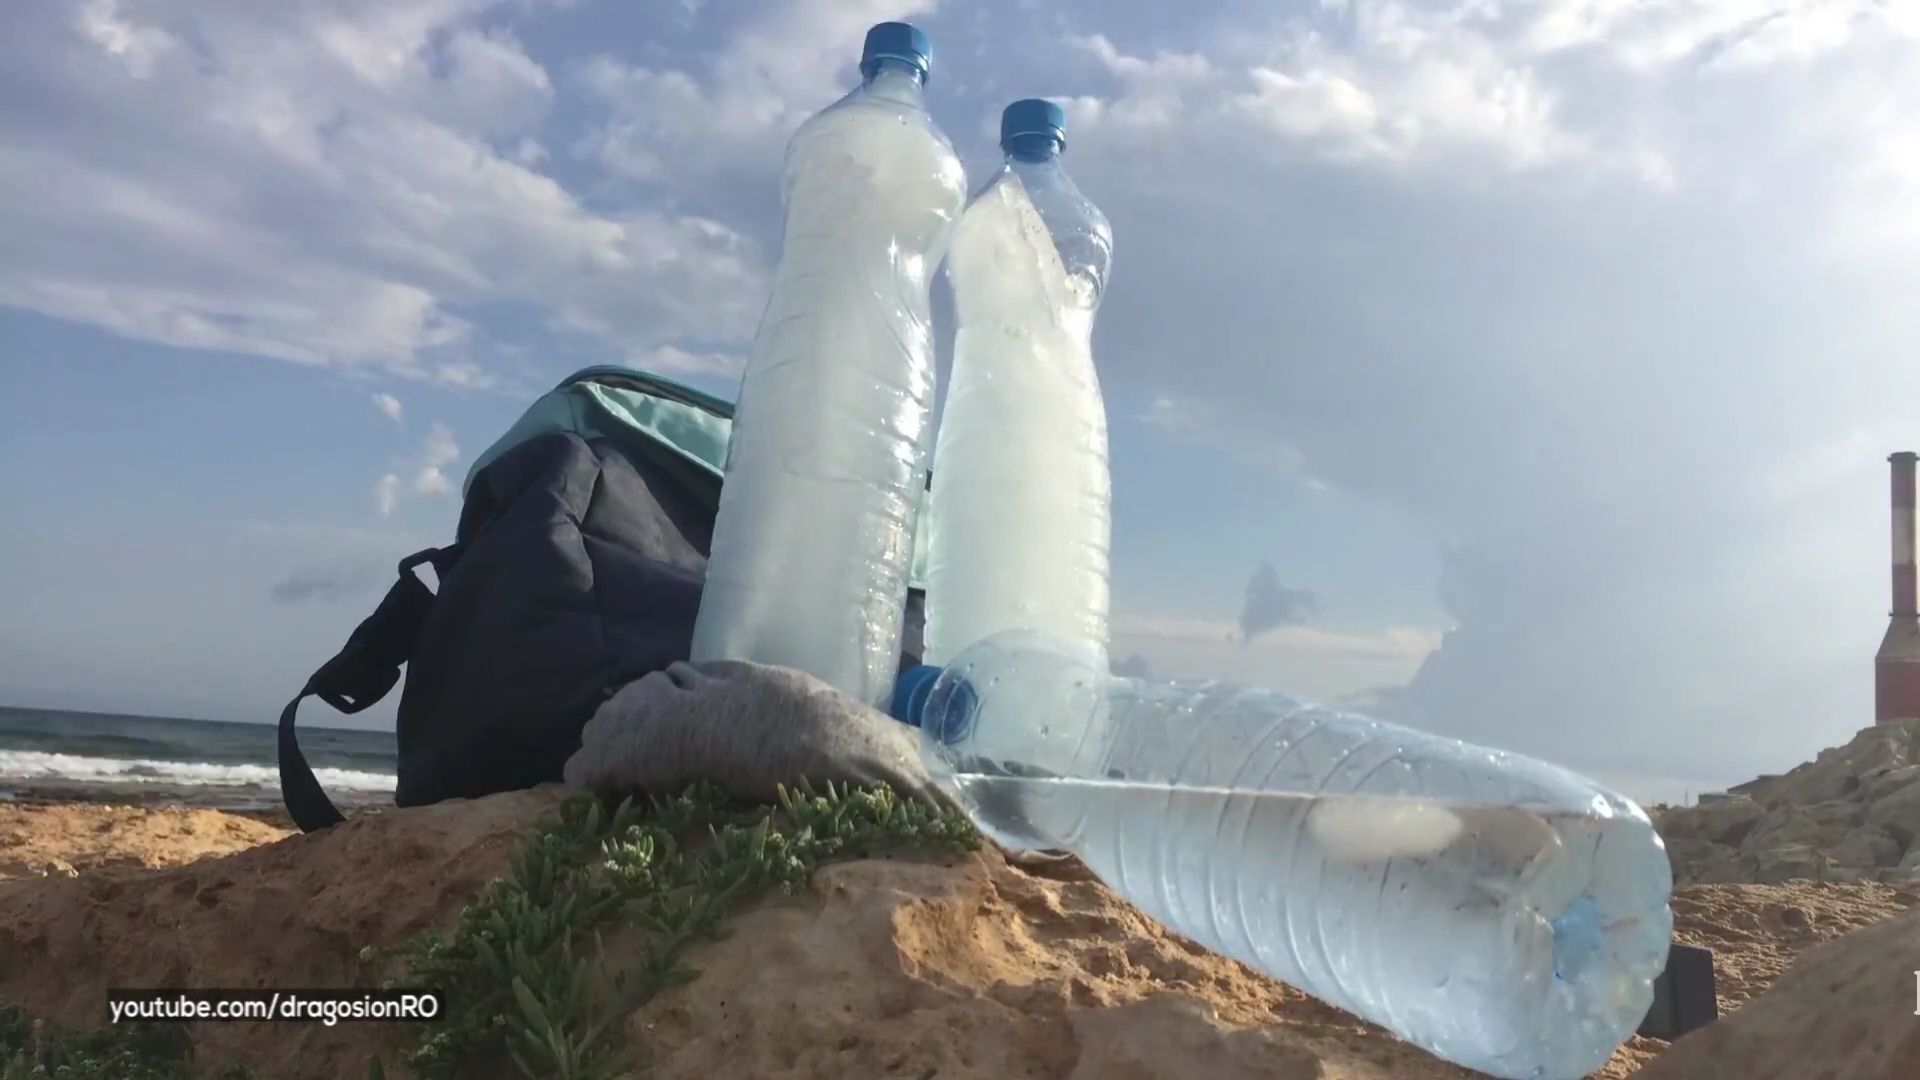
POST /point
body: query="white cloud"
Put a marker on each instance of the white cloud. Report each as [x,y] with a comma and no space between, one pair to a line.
[678,126]
[494,86]
[529,152]
[1657,91]
[438,452]
[1398,85]
[1395,643]
[319,183]
[137,47]
[386,494]
[1598,308]
[388,405]
[422,473]
[1313,662]
[463,374]
[1206,423]
[1706,33]
[673,360]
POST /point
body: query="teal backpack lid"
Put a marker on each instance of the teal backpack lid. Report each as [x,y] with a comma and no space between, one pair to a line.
[629,406]
[646,412]
[664,385]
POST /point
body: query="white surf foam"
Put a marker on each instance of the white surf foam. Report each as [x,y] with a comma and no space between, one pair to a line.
[29,765]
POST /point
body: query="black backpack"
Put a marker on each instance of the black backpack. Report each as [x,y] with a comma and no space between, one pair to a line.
[576,568]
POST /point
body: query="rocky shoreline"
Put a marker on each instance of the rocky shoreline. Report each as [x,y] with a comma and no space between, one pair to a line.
[1850,815]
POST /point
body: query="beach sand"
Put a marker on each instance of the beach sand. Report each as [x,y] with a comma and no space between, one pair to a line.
[40,836]
[998,970]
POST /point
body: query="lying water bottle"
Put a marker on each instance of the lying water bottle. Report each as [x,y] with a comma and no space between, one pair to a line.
[826,464]
[1500,912]
[1019,520]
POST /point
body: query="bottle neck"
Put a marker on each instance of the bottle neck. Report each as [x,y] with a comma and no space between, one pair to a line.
[1035,149]
[893,76]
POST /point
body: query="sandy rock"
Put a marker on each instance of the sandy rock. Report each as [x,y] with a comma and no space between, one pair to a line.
[979,970]
[973,968]
[1844,1012]
[61,839]
[1855,806]
[1821,825]
[1881,783]
[976,971]
[1756,931]
[1726,823]
[290,913]
[964,968]
[1787,862]
[1867,847]
[1839,772]
[1695,860]
[1898,813]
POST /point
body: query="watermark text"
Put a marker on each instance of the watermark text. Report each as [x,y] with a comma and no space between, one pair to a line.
[327,1007]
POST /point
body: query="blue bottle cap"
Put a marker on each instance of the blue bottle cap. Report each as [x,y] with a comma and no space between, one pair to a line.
[910,692]
[1033,116]
[897,41]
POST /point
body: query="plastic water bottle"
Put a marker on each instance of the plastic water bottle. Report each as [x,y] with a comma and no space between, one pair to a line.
[1019,518]
[827,459]
[1501,912]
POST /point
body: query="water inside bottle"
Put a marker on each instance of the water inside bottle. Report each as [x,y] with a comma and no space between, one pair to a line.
[1478,898]
[1061,812]
[813,540]
[1499,911]
[1010,545]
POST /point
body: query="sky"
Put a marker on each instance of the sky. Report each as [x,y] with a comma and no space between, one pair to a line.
[1523,371]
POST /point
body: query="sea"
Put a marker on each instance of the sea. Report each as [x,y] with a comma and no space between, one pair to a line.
[48,754]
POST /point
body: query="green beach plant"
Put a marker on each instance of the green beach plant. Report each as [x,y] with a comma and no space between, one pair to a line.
[534,986]
[32,1051]
[528,969]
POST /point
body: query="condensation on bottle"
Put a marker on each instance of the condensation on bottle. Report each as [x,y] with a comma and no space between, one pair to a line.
[827,460]
[1019,521]
[1501,912]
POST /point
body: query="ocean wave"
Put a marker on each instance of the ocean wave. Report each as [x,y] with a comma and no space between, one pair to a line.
[29,765]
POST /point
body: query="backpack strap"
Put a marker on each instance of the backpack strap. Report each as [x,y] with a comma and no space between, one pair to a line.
[365,669]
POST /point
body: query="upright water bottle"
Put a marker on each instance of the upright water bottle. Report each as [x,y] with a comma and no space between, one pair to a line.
[827,460]
[1501,912]
[1019,518]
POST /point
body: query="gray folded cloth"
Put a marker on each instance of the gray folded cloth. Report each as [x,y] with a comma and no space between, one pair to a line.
[746,727]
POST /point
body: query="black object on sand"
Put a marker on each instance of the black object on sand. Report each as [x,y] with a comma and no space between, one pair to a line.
[1684,998]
